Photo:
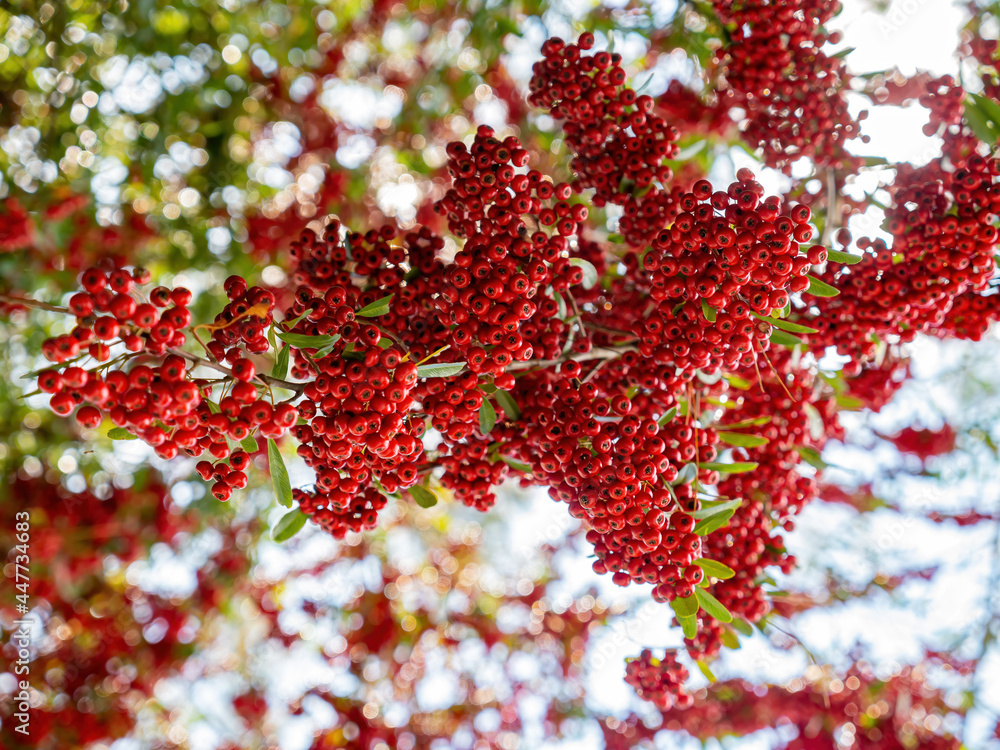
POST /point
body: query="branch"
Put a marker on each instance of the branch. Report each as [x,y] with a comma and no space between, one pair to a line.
[266,379]
[595,353]
[26,302]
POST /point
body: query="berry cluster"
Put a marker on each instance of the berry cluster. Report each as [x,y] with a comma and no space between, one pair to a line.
[148,389]
[659,681]
[943,246]
[729,260]
[619,142]
[792,92]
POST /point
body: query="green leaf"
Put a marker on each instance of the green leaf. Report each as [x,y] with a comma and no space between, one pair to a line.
[685,606]
[487,417]
[744,423]
[843,53]
[785,325]
[741,440]
[811,456]
[782,338]
[249,444]
[515,464]
[690,626]
[289,525]
[291,324]
[713,606]
[280,370]
[376,308]
[819,288]
[120,433]
[703,667]
[616,239]
[667,417]
[707,311]
[590,277]
[714,568]
[423,496]
[743,626]
[687,474]
[562,312]
[214,407]
[509,405]
[849,403]
[846,259]
[441,370]
[279,474]
[979,123]
[729,639]
[989,108]
[734,468]
[714,510]
[707,525]
[737,382]
[302,341]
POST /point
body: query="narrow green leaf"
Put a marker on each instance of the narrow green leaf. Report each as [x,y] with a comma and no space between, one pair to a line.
[517,465]
[847,259]
[687,474]
[849,403]
[616,239]
[734,468]
[441,370]
[843,53]
[715,569]
[811,456]
[487,417]
[120,433]
[280,370]
[289,525]
[714,510]
[423,496]
[302,341]
[783,338]
[707,525]
[279,474]
[737,382]
[990,110]
[744,423]
[562,312]
[713,606]
[785,325]
[376,308]
[685,607]
[741,440]
[213,407]
[703,667]
[590,277]
[667,417]
[819,288]
[743,626]
[249,444]
[729,639]
[690,626]
[290,325]
[707,311]
[270,338]
[509,405]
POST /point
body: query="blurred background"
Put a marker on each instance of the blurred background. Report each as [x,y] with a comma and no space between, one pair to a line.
[197,138]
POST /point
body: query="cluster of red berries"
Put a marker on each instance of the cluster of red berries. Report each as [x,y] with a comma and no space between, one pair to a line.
[943,246]
[659,681]
[151,392]
[618,140]
[792,92]
[729,260]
